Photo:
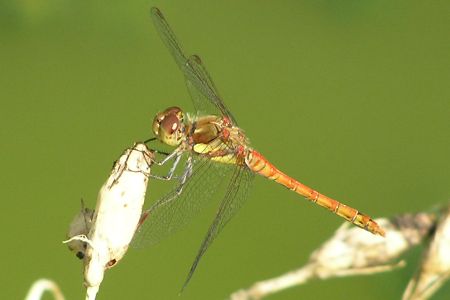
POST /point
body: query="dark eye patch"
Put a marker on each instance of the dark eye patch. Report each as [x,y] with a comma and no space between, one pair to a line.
[80,255]
[170,123]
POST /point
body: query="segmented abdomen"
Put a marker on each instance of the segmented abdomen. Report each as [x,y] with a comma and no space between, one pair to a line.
[259,164]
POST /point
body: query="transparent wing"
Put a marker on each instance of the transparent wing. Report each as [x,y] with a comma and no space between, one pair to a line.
[169,38]
[234,197]
[204,94]
[175,210]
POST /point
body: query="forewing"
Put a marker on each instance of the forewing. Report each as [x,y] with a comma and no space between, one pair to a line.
[168,37]
[234,198]
[203,92]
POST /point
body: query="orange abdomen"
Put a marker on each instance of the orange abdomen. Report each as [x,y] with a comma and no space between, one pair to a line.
[259,164]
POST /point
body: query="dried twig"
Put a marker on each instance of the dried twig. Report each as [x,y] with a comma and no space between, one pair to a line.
[41,286]
[352,251]
[434,269]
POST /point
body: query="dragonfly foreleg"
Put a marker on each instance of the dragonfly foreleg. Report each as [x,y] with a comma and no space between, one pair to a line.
[187,173]
[179,189]
[177,154]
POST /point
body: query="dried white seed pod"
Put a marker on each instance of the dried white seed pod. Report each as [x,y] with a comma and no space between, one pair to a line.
[352,251]
[117,215]
[434,268]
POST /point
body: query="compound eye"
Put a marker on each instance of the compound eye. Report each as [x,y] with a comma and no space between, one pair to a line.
[156,124]
[170,124]
[174,111]
[167,119]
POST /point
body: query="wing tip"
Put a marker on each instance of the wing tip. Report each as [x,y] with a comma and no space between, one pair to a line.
[154,10]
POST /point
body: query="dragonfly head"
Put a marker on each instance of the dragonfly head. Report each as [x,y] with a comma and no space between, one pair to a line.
[168,126]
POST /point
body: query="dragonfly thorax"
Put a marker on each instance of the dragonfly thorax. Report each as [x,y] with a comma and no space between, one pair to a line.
[203,130]
[168,126]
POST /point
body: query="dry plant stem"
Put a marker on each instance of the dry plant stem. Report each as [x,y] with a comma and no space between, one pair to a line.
[434,268]
[116,216]
[369,270]
[41,286]
[271,286]
[91,292]
[352,252]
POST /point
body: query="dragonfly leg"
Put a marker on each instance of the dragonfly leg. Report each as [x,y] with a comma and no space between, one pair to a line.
[169,175]
[186,174]
[175,154]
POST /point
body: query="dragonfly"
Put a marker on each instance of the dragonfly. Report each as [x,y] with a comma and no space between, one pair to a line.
[219,161]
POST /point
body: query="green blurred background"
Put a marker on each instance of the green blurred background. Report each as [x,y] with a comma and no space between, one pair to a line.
[349,97]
